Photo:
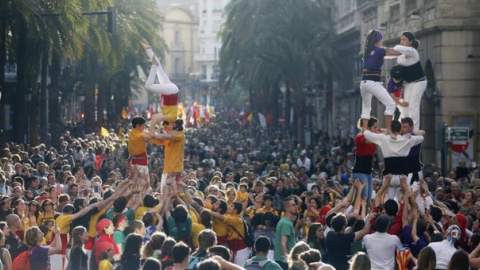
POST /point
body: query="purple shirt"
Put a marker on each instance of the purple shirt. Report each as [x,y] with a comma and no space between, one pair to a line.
[392,87]
[39,258]
[408,240]
[374,60]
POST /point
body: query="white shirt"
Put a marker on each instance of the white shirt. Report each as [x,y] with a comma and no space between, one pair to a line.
[381,249]
[393,148]
[307,163]
[444,252]
[408,57]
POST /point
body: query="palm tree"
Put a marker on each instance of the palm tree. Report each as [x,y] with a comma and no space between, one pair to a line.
[268,43]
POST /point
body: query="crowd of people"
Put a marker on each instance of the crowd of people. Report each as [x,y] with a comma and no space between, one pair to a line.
[233,196]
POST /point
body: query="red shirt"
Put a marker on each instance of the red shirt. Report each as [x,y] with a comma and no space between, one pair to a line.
[362,147]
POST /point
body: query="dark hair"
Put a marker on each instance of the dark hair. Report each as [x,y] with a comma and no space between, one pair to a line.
[77,203]
[411,37]
[262,244]
[138,120]
[312,235]
[396,126]
[391,207]
[221,251]
[206,219]
[396,72]
[223,206]
[152,264]
[238,207]
[407,120]
[459,261]
[328,219]
[155,243]
[149,201]
[147,219]
[180,214]
[370,42]
[310,256]
[475,239]
[427,259]
[339,222]
[119,204]
[358,225]
[179,252]
[208,264]
[178,125]
[421,226]
[133,243]
[381,223]
[168,246]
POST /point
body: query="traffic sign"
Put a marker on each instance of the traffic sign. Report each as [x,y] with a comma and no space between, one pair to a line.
[458,134]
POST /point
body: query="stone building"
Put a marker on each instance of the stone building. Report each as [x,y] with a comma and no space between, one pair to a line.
[449,32]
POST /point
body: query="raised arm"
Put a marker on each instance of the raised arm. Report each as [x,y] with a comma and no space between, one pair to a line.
[404,49]
[56,245]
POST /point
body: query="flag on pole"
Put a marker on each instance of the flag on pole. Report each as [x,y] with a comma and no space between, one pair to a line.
[104,132]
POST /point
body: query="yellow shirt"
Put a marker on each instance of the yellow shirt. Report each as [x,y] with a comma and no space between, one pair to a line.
[92,224]
[242,196]
[142,210]
[174,152]
[105,265]
[63,223]
[42,217]
[219,227]
[251,211]
[136,142]
[196,229]
[271,210]
[171,112]
[235,221]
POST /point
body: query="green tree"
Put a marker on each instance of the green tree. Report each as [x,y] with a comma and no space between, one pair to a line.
[270,43]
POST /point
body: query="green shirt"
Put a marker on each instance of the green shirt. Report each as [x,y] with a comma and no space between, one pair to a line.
[284,228]
[271,265]
[129,213]
[119,238]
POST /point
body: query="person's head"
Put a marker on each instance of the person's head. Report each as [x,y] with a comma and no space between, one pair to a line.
[408,39]
[396,126]
[235,208]
[79,236]
[339,222]
[152,264]
[149,201]
[391,207]
[180,214]
[374,38]
[360,261]
[382,223]
[407,125]
[315,232]
[311,256]
[180,252]
[221,251]
[155,243]
[427,259]
[167,246]
[262,245]
[105,226]
[138,122]
[209,264]
[289,206]
[298,249]
[13,222]
[133,244]
[103,250]
[33,236]
[206,218]
[138,227]
[206,239]
[396,73]
[120,221]
[119,204]
[459,261]
[220,206]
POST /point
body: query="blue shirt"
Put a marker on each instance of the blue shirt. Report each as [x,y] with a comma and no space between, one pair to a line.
[393,87]
[374,61]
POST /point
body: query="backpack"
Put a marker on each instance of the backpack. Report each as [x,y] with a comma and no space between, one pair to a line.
[193,261]
[248,238]
[22,261]
[255,265]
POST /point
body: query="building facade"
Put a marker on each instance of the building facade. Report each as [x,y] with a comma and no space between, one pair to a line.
[449,32]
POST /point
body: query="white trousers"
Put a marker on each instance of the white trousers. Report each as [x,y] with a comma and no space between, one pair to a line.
[56,262]
[412,93]
[242,256]
[165,86]
[376,89]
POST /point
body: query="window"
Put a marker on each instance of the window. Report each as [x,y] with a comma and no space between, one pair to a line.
[411,5]
[177,66]
[395,12]
[203,76]
[178,38]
